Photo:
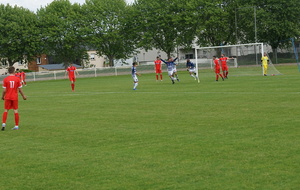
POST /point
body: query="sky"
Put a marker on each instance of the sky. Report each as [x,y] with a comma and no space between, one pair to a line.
[33,5]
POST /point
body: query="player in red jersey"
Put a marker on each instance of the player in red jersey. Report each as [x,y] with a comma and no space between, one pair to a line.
[18,74]
[23,77]
[71,70]
[223,61]
[217,68]
[158,68]
[11,86]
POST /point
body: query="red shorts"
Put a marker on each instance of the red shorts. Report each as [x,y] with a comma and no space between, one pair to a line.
[224,68]
[11,104]
[158,71]
[217,70]
[72,79]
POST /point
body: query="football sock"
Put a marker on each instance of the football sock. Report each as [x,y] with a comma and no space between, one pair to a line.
[4,117]
[135,85]
[73,86]
[161,77]
[217,77]
[226,73]
[156,77]
[17,119]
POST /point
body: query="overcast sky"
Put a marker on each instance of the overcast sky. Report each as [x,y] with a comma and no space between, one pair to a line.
[33,5]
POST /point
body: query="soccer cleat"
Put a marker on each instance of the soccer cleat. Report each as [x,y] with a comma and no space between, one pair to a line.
[15,128]
[3,127]
[216,80]
[222,78]
[173,82]
[178,80]
[134,89]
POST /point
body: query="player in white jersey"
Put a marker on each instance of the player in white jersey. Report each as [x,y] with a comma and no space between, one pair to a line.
[170,67]
[175,71]
[134,75]
[191,69]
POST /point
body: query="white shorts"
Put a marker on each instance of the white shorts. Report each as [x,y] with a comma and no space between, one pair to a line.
[170,73]
[135,79]
[192,70]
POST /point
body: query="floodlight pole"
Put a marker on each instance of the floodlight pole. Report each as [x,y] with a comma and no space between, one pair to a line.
[236,35]
[255,29]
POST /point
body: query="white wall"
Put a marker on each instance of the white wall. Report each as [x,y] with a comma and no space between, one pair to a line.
[96,60]
[3,70]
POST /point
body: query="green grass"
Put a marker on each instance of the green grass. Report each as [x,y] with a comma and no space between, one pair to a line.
[242,133]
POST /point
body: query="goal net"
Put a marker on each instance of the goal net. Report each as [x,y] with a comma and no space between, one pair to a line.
[245,58]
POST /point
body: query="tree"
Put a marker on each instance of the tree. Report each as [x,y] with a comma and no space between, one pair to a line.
[216,26]
[110,28]
[277,21]
[167,24]
[18,35]
[63,31]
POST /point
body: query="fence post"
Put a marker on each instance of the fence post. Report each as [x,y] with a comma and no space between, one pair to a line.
[116,71]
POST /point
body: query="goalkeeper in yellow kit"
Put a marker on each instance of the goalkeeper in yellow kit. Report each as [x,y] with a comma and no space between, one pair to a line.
[265,62]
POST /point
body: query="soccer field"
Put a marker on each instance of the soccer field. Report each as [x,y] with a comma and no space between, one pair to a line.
[241,133]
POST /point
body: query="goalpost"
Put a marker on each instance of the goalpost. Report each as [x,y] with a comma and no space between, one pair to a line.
[244,55]
[296,53]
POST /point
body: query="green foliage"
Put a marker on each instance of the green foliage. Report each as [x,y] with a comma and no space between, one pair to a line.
[166,24]
[62,31]
[216,25]
[26,70]
[110,28]
[277,21]
[18,34]
[116,30]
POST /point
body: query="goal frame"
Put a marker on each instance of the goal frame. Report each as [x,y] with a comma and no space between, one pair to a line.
[236,45]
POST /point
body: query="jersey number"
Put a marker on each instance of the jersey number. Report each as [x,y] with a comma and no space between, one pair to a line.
[12,84]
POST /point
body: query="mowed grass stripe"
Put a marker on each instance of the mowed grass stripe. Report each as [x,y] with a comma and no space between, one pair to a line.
[238,134]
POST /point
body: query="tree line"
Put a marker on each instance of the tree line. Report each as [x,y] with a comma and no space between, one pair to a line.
[65,31]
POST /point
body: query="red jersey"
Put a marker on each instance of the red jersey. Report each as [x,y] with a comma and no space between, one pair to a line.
[157,64]
[223,60]
[19,75]
[23,75]
[11,84]
[71,71]
[216,62]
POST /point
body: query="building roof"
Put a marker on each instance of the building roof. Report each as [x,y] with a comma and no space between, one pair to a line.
[57,66]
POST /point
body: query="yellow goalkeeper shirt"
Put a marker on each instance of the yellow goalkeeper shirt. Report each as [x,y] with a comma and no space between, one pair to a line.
[265,60]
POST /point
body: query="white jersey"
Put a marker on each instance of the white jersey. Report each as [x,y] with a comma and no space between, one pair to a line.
[133,74]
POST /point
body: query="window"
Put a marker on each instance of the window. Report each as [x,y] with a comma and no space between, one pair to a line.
[92,56]
[38,61]
[189,56]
